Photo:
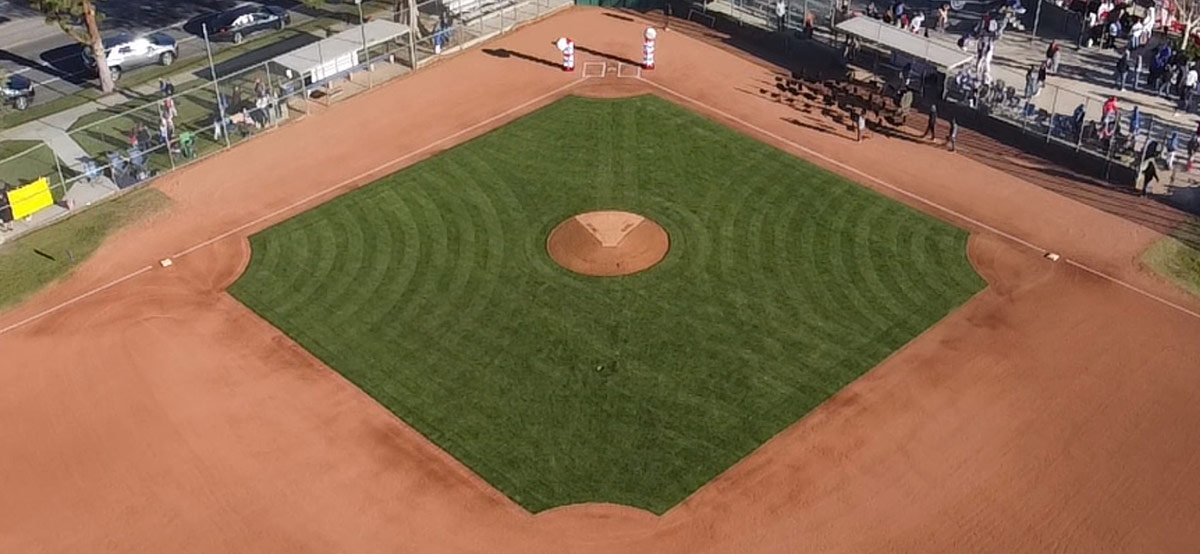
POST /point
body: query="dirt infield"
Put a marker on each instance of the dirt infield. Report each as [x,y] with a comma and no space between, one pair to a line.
[608,243]
[146,411]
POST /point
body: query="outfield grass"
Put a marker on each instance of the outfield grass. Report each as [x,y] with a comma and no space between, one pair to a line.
[41,257]
[432,290]
[1177,260]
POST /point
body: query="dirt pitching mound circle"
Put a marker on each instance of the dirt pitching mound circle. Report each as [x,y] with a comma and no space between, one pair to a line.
[608,243]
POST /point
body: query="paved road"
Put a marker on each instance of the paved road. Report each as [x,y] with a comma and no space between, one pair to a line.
[53,60]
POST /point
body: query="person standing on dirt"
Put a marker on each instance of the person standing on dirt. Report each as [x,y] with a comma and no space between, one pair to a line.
[952,138]
[1149,175]
[860,124]
[931,127]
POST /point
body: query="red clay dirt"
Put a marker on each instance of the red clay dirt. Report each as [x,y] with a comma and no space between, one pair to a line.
[1054,412]
[608,243]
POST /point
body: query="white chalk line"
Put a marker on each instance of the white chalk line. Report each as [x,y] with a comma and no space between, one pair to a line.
[920,198]
[58,307]
[382,167]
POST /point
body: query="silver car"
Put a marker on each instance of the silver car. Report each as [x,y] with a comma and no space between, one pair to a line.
[124,52]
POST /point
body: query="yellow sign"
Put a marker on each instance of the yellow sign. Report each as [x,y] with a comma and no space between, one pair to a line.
[30,199]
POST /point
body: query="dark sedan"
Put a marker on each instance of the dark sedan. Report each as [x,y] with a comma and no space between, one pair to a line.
[239,23]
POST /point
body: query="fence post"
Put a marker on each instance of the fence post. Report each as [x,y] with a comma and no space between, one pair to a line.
[1079,139]
[58,166]
[1112,144]
[1053,108]
[412,33]
[212,68]
[1037,15]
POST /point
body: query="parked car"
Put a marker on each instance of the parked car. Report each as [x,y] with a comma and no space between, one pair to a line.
[237,24]
[17,91]
[125,52]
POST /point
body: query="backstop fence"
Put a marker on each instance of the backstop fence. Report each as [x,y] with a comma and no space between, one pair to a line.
[128,145]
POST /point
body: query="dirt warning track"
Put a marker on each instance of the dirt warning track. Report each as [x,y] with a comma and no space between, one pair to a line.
[1054,412]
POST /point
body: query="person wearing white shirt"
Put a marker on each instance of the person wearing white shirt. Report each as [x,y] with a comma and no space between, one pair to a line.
[1189,86]
[781,8]
[915,24]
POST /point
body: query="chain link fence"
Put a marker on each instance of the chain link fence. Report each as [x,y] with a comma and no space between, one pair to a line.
[130,144]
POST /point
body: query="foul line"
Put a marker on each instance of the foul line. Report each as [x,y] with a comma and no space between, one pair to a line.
[96,290]
[919,198]
[296,204]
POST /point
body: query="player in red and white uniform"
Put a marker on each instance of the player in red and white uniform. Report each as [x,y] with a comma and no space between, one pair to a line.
[567,47]
[648,48]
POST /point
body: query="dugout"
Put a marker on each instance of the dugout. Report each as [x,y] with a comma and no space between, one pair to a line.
[928,58]
[338,55]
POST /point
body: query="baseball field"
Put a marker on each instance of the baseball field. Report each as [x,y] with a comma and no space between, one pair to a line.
[493,307]
[433,291]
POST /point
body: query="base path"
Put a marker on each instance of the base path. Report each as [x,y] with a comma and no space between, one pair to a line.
[1054,412]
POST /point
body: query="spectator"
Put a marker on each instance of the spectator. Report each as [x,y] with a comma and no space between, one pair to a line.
[917,21]
[1192,145]
[943,17]
[1052,57]
[872,11]
[1114,32]
[1172,149]
[898,12]
[1137,70]
[931,127]
[1108,121]
[1041,76]
[781,9]
[1189,86]
[1177,78]
[1135,122]
[1149,174]
[1122,73]
[1031,88]
[1135,35]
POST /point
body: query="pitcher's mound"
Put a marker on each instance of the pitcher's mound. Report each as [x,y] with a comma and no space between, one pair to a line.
[607,244]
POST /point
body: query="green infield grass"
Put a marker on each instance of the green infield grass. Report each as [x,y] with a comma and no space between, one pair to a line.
[432,290]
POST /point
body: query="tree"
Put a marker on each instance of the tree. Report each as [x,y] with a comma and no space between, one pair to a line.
[80,21]
[1186,14]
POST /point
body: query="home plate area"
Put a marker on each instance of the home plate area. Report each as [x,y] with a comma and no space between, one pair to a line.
[611,69]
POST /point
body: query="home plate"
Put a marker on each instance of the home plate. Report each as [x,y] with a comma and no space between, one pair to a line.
[166,263]
[1052,256]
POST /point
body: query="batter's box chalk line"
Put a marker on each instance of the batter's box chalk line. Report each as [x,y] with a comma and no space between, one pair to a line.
[629,71]
[594,69]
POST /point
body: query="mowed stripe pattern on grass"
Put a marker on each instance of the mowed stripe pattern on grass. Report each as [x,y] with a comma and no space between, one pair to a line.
[432,290]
